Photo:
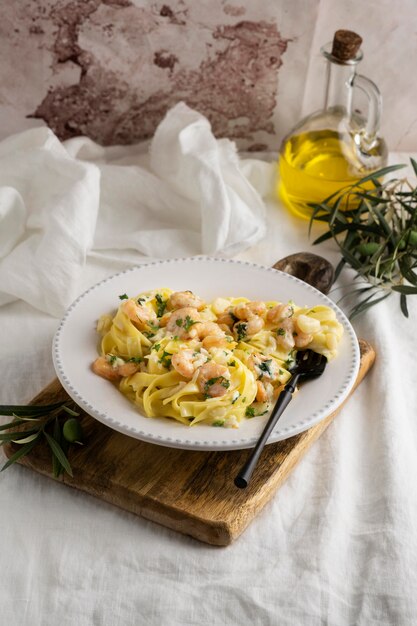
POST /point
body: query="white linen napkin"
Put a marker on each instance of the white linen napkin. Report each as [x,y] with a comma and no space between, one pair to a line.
[185,194]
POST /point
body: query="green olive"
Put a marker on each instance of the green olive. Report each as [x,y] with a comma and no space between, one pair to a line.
[368,249]
[410,240]
[72,430]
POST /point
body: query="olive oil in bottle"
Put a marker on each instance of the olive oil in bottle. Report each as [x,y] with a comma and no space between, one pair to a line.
[335,147]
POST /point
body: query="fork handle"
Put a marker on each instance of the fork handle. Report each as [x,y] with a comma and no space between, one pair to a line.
[243,477]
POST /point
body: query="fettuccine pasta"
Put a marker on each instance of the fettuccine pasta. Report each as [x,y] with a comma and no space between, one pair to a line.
[217,363]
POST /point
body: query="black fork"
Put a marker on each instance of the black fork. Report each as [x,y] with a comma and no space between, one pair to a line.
[308,365]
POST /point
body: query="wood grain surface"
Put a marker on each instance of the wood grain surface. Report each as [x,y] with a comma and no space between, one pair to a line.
[199,498]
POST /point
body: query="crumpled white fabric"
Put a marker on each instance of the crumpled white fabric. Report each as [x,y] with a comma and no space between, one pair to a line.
[188,194]
[336,545]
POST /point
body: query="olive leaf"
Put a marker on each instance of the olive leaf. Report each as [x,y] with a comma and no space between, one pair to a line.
[376,233]
[34,424]
[58,453]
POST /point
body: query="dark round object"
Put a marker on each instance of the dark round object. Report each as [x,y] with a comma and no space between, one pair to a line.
[72,430]
[311,268]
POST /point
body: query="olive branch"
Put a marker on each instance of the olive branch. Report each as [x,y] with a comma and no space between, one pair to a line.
[57,424]
[376,232]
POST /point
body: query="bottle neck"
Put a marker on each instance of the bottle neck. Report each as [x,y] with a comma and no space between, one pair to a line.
[338,93]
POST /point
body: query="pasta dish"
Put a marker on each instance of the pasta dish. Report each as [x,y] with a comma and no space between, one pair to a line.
[174,355]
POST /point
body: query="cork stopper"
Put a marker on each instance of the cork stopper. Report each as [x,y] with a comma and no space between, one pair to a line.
[346,45]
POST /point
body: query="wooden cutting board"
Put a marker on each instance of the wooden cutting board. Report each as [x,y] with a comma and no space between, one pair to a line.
[190,492]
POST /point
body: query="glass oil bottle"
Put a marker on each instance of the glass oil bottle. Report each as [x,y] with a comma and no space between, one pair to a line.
[334,147]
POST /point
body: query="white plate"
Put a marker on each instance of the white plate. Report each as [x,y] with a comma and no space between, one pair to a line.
[75,348]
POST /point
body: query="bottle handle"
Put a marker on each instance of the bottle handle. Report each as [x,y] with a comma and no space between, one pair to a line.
[374,108]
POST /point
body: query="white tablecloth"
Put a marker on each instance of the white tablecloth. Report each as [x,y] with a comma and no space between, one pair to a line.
[336,545]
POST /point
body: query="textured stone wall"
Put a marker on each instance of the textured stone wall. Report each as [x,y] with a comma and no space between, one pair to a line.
[110,69]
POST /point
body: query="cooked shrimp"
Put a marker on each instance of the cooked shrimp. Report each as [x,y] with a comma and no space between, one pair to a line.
[304,328]
[215,341]
[279,313]
[247,310]
[163,321]
[264,391]
[254,326]
[244,330]
[209,328]
[289,334]
[182,322]
[113,368]
[265,368]
[186,361]
[182,299]
[139,314]
[227,318]
[213,379]
[301,340]
[285,334]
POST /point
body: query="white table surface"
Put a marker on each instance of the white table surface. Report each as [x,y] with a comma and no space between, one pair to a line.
[336,545]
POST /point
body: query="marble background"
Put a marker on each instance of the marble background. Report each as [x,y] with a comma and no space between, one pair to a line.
[110,69]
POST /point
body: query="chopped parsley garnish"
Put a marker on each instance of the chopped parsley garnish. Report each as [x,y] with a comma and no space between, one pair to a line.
[211,381]
[156,346]
[140,301]
[250,412]
[153,326]
[188,322]
[290,361]
[218,423]
[124,296]
[148,334]
[135,359]
[237,397]
[265,366]
[281,372]
[161,305]
[185,323]
[241,331]
[232,364]
[165,359]
[281,331]
[112,359]
[233,316]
